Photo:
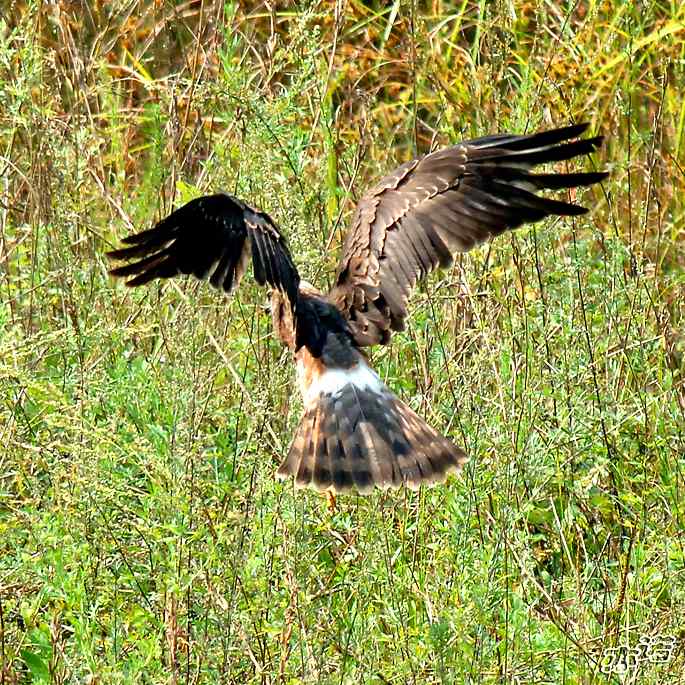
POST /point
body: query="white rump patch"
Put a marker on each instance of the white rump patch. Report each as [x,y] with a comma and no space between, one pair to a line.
[332,382]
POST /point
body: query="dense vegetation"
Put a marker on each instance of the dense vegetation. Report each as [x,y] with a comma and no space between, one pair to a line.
[143,537]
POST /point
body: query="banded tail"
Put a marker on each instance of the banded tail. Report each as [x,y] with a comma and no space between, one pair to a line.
[355,433]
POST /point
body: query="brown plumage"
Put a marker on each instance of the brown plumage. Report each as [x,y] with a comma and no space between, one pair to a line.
[432,207]
[355,433]
[358,438]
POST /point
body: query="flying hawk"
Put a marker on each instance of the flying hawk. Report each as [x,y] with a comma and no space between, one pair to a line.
[355,432]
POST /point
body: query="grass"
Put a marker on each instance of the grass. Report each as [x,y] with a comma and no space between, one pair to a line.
[143,537]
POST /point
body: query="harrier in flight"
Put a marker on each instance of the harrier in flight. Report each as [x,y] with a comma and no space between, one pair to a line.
[355,432]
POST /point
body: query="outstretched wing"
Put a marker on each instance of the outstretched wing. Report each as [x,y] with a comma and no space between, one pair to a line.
[211,237]
[446,202]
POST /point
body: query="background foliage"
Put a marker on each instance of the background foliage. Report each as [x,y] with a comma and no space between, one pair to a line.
[142,535]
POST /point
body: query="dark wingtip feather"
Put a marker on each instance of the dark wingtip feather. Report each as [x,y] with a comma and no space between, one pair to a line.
[559,153]
[570,210]
[125,270]
[530,141]
[576,129]
[595,141]
[121,253]
[562,181]
[141,279]
[569,131]
[551,137]
[160,232]
[137,238]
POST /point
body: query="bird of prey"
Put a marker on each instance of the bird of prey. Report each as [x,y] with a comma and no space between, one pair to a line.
[355,433]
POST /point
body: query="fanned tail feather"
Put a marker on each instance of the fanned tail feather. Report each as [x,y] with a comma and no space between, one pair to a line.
[359,438]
